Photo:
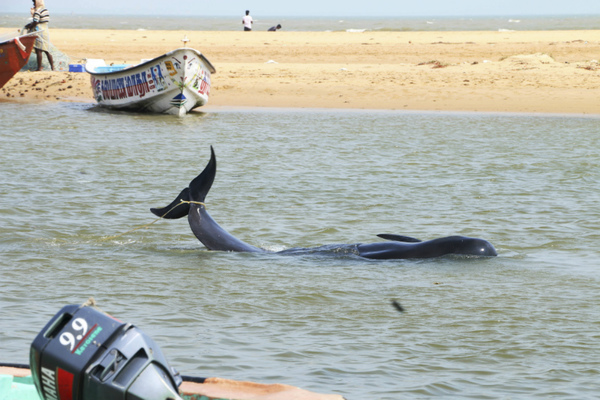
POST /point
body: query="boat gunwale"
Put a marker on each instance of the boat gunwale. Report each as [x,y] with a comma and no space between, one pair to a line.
[153,60]
[16,36]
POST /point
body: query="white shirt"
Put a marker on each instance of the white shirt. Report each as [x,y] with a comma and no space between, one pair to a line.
[247,21]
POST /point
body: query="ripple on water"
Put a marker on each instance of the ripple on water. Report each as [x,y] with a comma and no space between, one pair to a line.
[522,324]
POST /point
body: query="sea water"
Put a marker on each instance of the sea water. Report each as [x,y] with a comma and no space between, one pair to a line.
[316,24]
[524,324]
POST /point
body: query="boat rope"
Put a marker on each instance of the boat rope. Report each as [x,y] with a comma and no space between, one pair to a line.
[190,202]
[156,220]
[91,302]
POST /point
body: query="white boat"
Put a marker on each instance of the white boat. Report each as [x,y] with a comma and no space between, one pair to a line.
[173,83]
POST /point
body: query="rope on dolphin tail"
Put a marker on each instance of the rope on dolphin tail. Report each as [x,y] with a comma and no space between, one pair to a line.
[156,220]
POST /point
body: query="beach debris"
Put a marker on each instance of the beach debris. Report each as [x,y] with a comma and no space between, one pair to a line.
[434,64]
[592,66]
[271,62]
[531,59]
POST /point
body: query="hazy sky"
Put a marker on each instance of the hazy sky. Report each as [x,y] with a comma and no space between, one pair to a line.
[324,8]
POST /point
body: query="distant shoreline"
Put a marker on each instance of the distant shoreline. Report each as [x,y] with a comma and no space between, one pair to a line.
[478,16]
[524,72]
[313,24]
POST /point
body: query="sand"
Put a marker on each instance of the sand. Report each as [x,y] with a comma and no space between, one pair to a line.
[539,72]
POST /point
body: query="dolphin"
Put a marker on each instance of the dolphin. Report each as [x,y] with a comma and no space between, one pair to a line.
[190,203]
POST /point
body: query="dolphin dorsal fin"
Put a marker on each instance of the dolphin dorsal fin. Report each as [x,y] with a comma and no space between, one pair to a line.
[399,238]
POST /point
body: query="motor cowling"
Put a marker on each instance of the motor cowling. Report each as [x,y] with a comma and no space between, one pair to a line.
[84,353]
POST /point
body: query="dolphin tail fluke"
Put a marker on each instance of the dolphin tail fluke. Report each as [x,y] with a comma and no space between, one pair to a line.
[196,192]
[176,209]
[200,186]
[399,238]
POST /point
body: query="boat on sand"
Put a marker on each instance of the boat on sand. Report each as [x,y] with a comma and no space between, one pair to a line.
[14,53]
[174,83]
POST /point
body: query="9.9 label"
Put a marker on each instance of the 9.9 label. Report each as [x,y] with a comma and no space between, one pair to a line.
[70,339]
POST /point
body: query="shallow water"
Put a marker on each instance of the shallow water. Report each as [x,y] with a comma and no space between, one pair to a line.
[522,325]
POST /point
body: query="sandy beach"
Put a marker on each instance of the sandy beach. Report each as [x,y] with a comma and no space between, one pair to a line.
[529,71]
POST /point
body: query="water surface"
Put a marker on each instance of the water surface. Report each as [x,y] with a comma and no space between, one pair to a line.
[314,24]
[522,325]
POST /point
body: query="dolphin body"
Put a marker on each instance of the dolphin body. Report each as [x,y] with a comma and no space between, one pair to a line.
[190,203]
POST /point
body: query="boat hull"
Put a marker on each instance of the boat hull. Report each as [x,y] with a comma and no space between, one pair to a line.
[174,83]
[14,54]
[16,382]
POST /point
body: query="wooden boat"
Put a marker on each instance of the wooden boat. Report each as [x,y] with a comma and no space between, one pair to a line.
[16,383]
[174,83]
[14,53]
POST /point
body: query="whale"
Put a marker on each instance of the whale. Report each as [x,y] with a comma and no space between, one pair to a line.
[191,203]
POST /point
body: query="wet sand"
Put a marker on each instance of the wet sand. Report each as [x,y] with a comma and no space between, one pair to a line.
[542,71]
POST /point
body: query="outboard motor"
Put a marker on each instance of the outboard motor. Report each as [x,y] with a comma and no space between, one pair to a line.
[84,353]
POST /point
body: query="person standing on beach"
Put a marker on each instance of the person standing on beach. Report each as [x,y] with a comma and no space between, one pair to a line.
[41,18]
[247,21]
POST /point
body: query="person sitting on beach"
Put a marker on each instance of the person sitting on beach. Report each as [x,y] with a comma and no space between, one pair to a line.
[41,17]
[274,28]
[247,21]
